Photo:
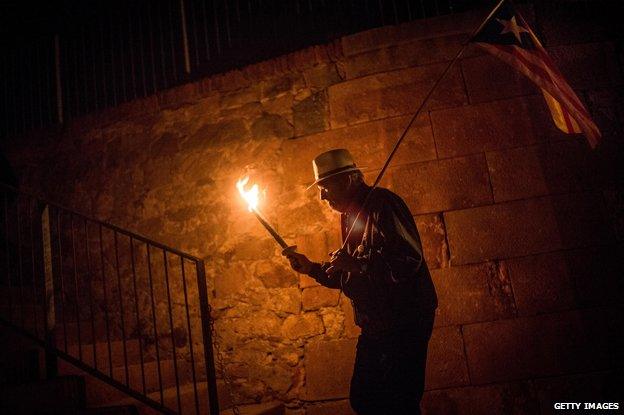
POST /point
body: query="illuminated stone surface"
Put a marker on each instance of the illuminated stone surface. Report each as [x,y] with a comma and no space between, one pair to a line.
[520,224]
[328,369]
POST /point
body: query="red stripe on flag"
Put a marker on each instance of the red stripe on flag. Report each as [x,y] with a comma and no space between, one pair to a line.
[566,118]
[542,78]
[554,72]
[543,73]
[559,84]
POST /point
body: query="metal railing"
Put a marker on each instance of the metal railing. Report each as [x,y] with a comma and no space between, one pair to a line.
[128,310]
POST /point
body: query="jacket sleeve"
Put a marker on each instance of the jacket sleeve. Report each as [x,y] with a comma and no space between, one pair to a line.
[319,273]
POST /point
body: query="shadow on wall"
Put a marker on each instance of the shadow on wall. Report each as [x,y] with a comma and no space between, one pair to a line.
[568,293]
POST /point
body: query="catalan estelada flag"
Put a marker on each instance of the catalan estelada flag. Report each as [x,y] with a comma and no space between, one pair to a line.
[506,35]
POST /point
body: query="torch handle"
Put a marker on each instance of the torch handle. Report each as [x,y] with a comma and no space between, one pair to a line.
[272,231]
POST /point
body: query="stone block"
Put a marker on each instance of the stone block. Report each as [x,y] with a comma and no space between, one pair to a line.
[441,185]
[433,237]
[306,281]
[448,25]
[287,300]
[333,320]
[393,93]
[322,76]
[128,110]
[546,345]
[526,227]
[370,143]
[280,106]
[614,202]
[588,65]
[232,281]
[596,274]
[269,126]
[472,293]
[515,398]
[342,407]
[302,217]
[446,361]
[230,81]
[314,298]
[488,78]
[280,85]
[311,115]
[493,125]
[576,23]
[252,248]
[351,329]
[541,283]
[302,326]
[181,95]
[259,324]
[218,135]
[419,52]
[314,246]
[329,366]
[275,275]
[593,387]
[606,106]
[560,167]
[205,109]
[239,97]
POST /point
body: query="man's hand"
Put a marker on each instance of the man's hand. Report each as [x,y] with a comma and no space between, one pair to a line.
[342,261]
[298,262]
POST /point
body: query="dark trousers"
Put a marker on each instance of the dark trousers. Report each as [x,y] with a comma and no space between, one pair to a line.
[389,372]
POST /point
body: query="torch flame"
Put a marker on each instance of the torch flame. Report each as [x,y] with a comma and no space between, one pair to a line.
[250,196]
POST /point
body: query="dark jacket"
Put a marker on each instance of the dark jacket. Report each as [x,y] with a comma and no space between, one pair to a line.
[395,291]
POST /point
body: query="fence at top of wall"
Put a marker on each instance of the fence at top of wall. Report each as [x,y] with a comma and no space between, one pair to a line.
[73,58]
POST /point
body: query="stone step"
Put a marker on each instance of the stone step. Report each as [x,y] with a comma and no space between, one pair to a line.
[133,353]
[64,394]
[98,395]
[265,408]
[187,400]
[110,410]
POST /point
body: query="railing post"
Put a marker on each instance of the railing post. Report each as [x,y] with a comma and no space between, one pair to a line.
[49,320]
[185,47]
[206,324]
[57,79]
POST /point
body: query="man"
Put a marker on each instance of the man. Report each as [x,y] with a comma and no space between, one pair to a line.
[383,272]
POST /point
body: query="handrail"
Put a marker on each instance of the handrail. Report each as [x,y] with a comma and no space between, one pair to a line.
[126,232]
[48,258]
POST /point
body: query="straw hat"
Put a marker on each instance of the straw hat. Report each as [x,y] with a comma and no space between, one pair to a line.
[331,163]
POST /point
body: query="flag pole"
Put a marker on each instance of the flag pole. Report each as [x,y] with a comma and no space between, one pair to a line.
[416,114]
[485,21]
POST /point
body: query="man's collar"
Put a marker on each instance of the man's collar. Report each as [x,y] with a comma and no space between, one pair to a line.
[358,199]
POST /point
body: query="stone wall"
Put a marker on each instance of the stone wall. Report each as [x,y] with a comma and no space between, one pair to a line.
[521,224]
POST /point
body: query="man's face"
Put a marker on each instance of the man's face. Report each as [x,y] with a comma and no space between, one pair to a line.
[335,191]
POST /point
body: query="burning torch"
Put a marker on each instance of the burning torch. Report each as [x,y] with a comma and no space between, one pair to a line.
[251,197]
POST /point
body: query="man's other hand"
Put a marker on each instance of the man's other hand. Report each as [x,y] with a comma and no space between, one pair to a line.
[342,261]
[298,262]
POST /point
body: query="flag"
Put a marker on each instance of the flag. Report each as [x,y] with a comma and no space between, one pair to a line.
[506,35]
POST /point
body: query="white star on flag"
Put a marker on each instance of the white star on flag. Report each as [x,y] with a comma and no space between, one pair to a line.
[511,26]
